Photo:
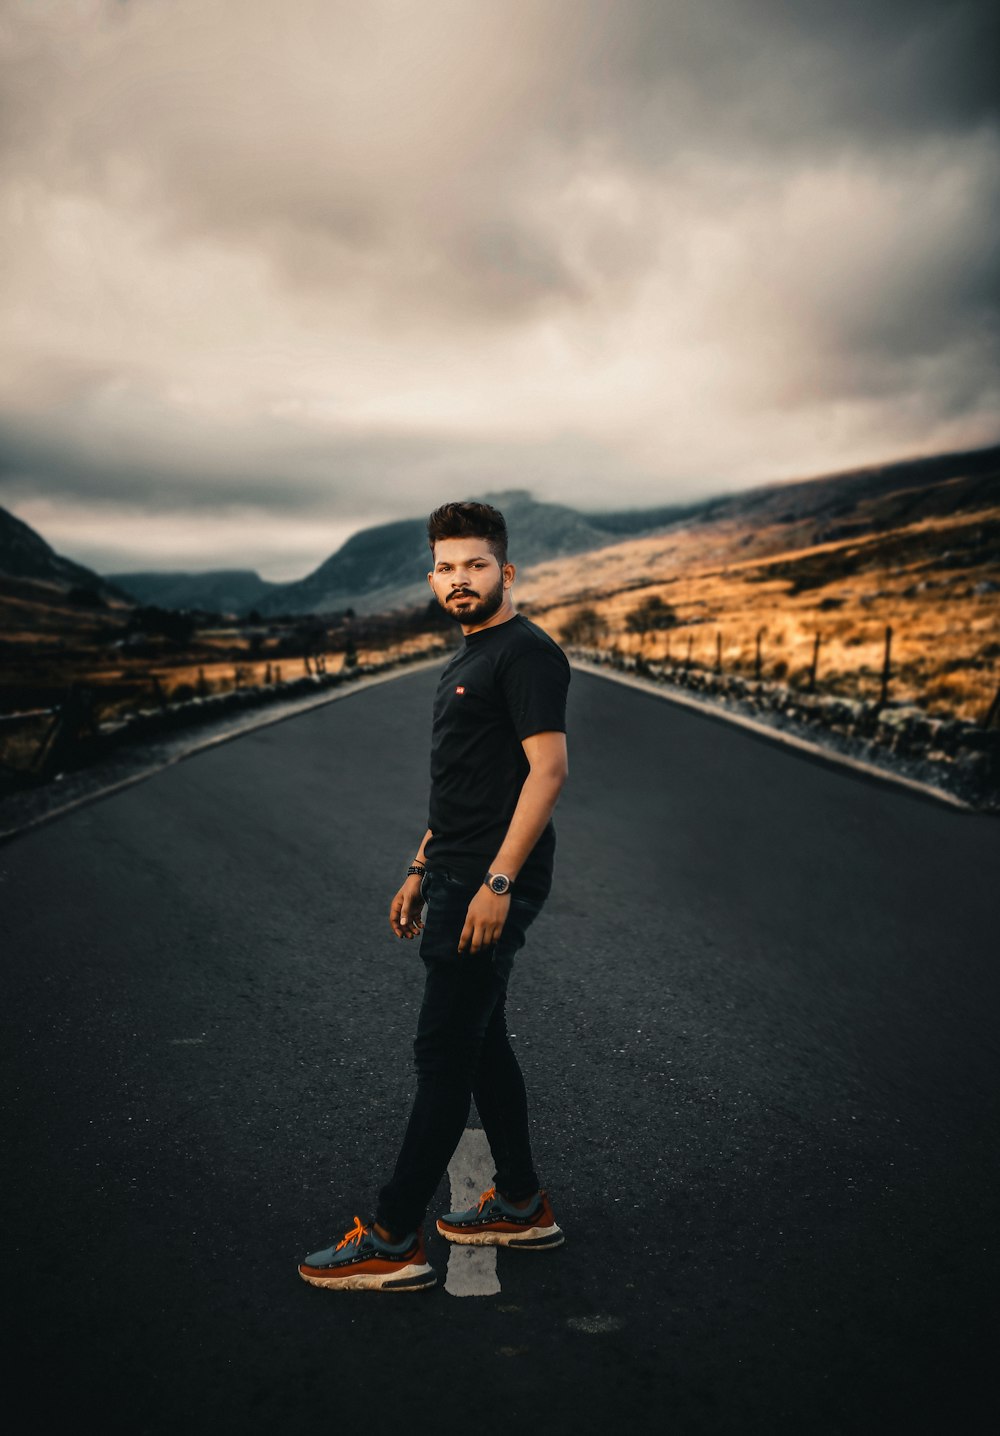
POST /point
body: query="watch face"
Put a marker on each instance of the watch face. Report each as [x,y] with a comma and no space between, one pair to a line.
[499,884]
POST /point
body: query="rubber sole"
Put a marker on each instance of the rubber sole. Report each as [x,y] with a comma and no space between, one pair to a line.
[534,1239]
[411,1278]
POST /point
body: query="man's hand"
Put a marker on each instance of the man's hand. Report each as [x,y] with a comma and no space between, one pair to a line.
[407,905]
[485,920]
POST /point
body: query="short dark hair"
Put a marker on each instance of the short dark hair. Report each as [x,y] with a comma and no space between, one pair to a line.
[470,520]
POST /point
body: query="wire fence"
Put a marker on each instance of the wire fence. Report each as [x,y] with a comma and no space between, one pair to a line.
[862,666]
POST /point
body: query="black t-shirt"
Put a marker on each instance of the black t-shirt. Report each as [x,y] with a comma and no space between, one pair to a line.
[505,684]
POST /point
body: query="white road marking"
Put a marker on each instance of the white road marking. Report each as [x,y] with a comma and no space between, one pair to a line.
[472,1271]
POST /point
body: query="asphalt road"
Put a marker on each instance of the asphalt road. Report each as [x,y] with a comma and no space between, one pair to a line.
[758,1021]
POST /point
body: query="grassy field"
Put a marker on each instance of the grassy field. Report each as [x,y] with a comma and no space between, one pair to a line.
[934,580]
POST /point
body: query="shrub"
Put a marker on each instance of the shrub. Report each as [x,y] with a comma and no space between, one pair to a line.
[83,595]
[650,615]
[584,628]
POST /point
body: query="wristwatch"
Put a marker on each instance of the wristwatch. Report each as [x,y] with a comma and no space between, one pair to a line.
[498,883]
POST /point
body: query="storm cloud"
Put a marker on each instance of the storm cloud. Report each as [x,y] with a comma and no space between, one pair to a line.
[275,272]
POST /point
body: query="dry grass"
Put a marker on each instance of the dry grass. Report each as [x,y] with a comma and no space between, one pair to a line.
[183,680]
[935,582]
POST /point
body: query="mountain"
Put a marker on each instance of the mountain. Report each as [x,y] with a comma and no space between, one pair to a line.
[24,554]
[373,569]
[224,590]
[383,567]
[376,568]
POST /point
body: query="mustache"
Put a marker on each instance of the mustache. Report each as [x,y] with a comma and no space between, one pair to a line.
[463,593]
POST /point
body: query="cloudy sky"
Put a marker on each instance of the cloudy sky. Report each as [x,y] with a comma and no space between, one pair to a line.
[278,269]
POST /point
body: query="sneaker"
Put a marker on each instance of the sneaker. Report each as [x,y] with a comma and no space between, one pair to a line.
[497,1223]
[362,1261]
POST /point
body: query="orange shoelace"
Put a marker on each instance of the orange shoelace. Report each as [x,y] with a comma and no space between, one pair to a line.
[487,1196]
[355,1234]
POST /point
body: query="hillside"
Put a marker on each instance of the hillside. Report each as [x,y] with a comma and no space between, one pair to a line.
[781,520]
[24,554]
[812,573]
[48,601]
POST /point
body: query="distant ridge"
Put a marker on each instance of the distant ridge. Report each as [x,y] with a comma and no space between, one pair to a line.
[224,590]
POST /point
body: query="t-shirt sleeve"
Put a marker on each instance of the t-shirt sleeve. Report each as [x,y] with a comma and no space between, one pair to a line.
[535,683]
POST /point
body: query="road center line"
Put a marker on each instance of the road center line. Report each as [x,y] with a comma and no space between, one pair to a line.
[472,1271]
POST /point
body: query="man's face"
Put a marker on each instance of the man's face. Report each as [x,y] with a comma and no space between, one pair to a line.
[467,580]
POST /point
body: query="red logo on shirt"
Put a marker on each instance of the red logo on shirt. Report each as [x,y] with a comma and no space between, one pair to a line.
[460,689]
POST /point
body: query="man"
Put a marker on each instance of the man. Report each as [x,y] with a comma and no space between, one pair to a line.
[483,868]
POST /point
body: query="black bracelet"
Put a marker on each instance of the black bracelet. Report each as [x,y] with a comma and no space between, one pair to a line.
[414,870]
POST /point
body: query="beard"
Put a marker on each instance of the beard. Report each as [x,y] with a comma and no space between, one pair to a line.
[483,606]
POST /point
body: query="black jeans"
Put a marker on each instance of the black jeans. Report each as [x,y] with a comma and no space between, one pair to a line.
[462,1051]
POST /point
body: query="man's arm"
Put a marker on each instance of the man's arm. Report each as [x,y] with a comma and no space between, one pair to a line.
[407,905]
[549,768]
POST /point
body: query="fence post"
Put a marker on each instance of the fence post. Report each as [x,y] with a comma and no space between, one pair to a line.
[884,698]
[812,670]
[687,660]
[718,651]
[760,634]
[40,759]
[75,720]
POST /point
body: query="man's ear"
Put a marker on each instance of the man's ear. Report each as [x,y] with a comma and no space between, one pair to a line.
[430,579]
[509,575]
